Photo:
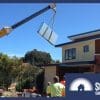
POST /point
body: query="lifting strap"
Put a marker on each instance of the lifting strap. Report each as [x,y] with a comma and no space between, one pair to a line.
[51,22]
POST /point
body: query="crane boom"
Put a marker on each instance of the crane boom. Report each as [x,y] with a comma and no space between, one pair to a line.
[7,30]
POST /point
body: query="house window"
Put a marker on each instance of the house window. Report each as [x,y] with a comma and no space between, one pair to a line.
[86,48]
[70,54]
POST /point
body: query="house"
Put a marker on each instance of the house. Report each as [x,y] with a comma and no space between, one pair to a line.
[80,55]
[81,88]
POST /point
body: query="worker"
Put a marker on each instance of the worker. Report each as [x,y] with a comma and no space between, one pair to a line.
[57,89]
[63,81]
[48,90]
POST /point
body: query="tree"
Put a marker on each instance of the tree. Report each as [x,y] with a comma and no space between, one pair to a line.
[26,77]
[5,70]
[40,81]
[9,69]
[24,84]
[37,57]
[23,70]
[57,61]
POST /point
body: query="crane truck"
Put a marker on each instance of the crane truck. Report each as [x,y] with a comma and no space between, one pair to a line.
[6,30]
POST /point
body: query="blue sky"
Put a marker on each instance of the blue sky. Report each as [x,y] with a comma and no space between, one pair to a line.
[70,19]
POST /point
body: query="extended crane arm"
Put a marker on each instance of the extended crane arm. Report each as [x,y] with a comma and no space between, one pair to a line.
[7,30]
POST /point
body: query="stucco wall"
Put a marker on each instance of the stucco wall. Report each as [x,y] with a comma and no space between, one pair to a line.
[80,55]
[50,72]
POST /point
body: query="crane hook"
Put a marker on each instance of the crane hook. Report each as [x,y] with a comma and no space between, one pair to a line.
[53,7]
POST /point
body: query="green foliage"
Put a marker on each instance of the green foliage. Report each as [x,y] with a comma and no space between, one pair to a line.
[19,87]
[26,77]
[5,70]
[9,69]
[37,57]
[40,81]
[24,84]
[23,70]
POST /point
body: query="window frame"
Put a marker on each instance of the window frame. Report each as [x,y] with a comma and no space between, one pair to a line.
[70,54]
[86,48]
